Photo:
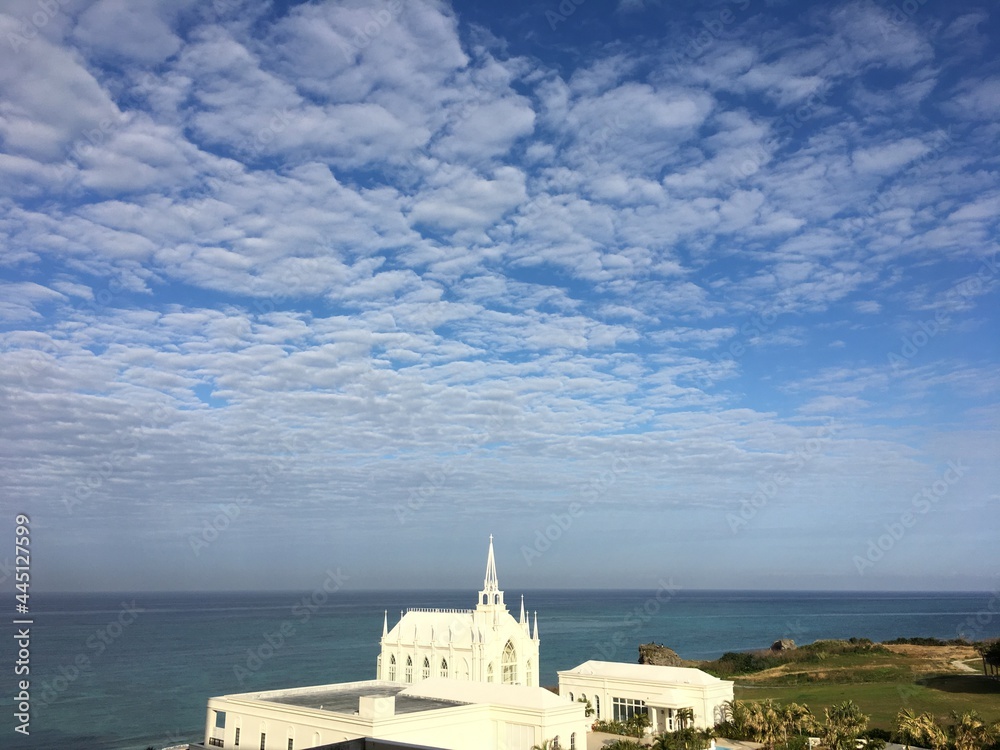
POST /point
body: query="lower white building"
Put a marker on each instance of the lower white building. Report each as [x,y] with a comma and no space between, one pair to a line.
[440,712]
[618,691]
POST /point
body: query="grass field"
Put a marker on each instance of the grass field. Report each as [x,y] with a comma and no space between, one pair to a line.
[883,700]
[880,678]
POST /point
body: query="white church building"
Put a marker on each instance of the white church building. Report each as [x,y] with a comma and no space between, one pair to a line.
[460,679]
[485,644]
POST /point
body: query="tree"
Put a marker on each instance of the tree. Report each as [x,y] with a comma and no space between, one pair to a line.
[737,716]
[907,727]
[844,722]
[990,651]
[922,729]
[589,710]
[685,717]
[796,719]
[764,722]
[970,732]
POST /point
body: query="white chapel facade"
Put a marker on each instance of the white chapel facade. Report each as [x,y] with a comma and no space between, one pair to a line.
[485,644]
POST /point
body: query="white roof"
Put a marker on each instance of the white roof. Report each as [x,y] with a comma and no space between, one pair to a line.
[462,691]
[455,627]
[644,672]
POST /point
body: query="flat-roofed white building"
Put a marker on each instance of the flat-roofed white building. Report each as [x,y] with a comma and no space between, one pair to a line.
[439,712]
[618,691]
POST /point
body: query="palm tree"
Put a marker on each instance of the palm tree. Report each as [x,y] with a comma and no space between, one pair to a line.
[844,722]
[685,717]
[546,745]
[931,733]
[795,719]
[920,729]
[737,714]
[971,732]
[908,727]
[764,722]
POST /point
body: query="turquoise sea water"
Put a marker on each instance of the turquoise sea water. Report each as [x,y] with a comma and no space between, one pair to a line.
[127,671]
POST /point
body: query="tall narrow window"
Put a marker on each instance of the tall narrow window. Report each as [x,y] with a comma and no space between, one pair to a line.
[291,744]
[409,669]
[444,667]
[527,673]
[392,668]
[263,741]
[237,740]
[426,672]
[489,673]
[509,664]
[597,707]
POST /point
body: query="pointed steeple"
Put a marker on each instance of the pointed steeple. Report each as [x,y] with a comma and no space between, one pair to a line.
[521,620]
[491,594]
[535,636]
[385,624]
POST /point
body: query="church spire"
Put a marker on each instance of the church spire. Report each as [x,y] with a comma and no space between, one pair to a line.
[536,626]
[385,624]
[491,593]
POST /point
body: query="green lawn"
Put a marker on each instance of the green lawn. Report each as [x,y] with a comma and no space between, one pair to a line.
[939,695]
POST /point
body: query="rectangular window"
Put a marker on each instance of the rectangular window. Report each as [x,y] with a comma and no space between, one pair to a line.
[291,744]
[237,743]
[220,719]
[216,742]
[626,708]
[263,741]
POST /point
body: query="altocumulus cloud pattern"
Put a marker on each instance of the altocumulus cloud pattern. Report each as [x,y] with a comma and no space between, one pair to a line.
[671,291]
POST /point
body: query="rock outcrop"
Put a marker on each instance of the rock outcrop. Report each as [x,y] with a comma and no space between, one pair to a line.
[785,644]
[661,656]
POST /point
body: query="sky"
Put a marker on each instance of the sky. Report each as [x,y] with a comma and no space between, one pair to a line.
[657,293]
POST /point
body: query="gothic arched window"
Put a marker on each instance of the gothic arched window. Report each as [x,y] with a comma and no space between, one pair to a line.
[392,668]
[509,664]
[444,667]
[489,673]
[426,673]
[409,669]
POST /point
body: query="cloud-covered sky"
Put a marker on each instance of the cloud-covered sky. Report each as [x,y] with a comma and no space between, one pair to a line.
[701,292]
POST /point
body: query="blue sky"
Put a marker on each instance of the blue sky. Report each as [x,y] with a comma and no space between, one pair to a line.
[690,292]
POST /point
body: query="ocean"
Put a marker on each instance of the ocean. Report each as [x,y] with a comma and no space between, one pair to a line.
[123,672]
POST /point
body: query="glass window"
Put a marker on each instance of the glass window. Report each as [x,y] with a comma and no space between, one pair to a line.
[392,668]
[263,741]
[444,667]
[237,740]
[426,673]
[626,708]
[220,719]
[409,669]
[509,664]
